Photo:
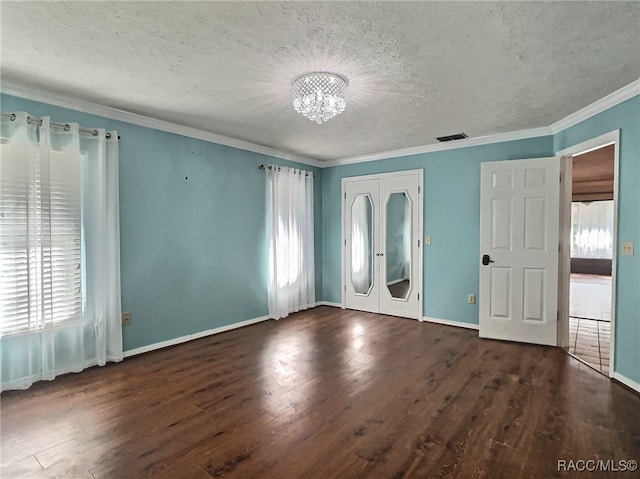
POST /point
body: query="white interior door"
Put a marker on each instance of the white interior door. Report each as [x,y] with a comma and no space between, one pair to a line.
[519,210]
[362,245]
[400,247]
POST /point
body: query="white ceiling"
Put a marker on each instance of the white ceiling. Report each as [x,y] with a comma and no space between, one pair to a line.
[417,70]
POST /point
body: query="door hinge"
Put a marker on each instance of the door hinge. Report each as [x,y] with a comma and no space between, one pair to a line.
[345,241]
[418,243]
[345,288]
[345,195]
[418,190]
[418,296]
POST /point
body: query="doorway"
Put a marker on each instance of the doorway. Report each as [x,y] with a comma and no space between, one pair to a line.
[592,208]
[590,235]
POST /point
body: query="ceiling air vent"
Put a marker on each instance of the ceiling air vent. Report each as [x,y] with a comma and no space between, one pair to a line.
[457,136]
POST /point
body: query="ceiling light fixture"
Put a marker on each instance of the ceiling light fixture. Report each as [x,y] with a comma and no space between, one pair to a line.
[319,95]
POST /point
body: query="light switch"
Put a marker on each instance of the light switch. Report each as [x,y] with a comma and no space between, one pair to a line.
[627,248]
[427,240]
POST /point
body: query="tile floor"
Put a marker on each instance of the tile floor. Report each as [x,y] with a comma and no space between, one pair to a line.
[589,324]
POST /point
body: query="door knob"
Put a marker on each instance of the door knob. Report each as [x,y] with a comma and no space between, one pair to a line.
[486,259]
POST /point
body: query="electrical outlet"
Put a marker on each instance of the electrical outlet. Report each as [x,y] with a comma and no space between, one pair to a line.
[627,248]
[472,299]
[126,319]
[427,240]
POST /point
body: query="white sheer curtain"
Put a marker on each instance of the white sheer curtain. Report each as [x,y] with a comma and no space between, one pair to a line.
[290,233]
[592,229]
[59,250]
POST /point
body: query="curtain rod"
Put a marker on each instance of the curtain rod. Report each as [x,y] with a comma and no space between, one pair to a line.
[271,167]
[66,127]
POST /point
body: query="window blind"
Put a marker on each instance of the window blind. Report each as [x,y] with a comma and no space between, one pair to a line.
[40,238]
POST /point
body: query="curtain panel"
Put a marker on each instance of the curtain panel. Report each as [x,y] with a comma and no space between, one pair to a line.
[59,251]
[592,229]
[290,233]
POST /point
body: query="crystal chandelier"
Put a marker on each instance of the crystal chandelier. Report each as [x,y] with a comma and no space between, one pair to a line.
[319,95]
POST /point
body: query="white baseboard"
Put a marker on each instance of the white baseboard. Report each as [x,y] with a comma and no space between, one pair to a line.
[329,303]
[208,332]
[190,337]
[626,381]
[448,322]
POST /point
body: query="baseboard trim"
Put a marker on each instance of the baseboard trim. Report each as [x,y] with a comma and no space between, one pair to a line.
[626,381]
[190,337]
[329,303]
[209,332]
[448,322]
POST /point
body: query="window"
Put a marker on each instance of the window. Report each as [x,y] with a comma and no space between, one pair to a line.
[592,229]
[40,238]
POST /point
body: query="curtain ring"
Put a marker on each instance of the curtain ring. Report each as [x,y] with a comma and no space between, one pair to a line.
[66,127]
[12,117]
[95,132]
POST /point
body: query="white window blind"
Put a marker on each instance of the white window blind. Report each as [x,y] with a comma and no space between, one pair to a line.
[40,238]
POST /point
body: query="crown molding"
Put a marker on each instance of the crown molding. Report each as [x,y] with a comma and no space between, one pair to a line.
[64,101]
[449,145]
[84,106]
[598,106]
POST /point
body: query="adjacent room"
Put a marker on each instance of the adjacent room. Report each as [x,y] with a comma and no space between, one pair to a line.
[592,233]
[319,239]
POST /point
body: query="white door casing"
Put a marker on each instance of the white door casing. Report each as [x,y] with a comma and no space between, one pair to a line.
[612,137]
[519,220]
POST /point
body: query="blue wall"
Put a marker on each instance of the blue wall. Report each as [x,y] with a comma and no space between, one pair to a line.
[626,117]
[193,251]
[451,218]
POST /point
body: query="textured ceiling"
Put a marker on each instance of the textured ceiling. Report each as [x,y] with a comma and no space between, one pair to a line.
[417,70]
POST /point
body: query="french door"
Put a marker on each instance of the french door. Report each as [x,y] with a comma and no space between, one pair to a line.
[382,218]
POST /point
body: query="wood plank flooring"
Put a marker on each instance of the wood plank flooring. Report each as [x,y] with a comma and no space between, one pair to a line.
[324,394]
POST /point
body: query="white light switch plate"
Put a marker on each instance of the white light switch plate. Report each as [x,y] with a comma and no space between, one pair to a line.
[627,248]
[427,240]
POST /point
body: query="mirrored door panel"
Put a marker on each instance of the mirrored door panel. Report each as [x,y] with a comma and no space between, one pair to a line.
[398,245]
[362,244]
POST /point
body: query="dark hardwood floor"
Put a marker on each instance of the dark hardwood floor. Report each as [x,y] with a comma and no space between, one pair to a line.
[324,394]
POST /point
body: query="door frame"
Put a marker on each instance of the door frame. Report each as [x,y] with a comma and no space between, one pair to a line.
[343,232]
[611,138]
